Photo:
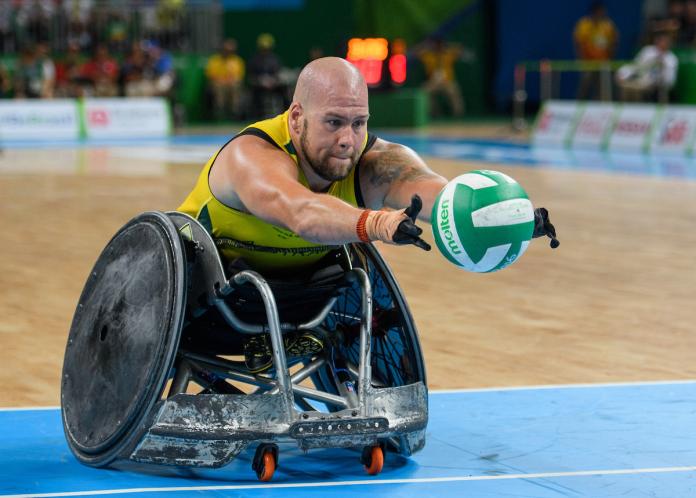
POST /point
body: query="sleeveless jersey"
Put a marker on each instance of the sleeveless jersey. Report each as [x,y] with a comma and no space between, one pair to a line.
[242,235]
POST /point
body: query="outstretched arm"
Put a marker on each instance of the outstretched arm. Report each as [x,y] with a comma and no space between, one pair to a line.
[253,176]
[391,174]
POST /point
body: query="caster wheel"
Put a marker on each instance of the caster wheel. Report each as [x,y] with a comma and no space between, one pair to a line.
[373,459]
[265,461]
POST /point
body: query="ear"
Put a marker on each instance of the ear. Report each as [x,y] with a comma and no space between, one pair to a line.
[295,116]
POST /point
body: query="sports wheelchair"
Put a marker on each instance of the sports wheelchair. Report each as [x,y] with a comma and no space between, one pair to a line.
[155,372]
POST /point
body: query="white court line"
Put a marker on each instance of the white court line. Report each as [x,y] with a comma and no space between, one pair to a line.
[544,475]
[472,390]
[564,386]
[28,408]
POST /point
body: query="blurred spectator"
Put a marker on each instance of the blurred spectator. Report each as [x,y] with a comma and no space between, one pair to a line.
[133,74]
[79,34]
[268,91]
[35,74]
[70,80]
[148,71]
[170,18]
[438,59]
[595,40]
[161,68]
[225,73]
[652,73]
[102,72]
[5,83]
[116,32]
[48,70]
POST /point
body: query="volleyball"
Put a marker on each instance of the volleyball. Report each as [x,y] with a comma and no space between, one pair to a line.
[482,221]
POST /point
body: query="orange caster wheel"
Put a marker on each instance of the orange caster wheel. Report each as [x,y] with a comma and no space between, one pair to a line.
[265,461]
[373,459]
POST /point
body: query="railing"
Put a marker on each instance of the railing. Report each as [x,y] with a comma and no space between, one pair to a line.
[549,81]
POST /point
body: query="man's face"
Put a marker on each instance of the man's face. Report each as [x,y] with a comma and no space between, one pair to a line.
[331,138]
[663,43]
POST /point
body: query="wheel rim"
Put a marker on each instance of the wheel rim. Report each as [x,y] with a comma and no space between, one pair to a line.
[395,356]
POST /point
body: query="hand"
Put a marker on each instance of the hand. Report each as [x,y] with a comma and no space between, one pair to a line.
[396,227]
[408,232]
[543,226]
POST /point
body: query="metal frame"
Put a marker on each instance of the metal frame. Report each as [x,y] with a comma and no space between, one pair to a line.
[208,430]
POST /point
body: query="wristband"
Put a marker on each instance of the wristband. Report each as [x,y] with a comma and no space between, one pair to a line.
[361,228]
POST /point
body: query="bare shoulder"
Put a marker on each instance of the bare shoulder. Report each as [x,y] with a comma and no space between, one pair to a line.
[248,162]
[251,152]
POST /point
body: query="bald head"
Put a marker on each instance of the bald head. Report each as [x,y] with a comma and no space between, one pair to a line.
[327,120]
[327,79]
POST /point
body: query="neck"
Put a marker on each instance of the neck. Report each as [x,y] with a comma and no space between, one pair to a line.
[316,183]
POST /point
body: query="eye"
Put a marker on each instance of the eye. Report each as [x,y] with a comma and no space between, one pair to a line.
[359,123]
[334,123]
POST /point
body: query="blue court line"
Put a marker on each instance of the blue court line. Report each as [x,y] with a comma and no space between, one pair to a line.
[474,150]
[609,440]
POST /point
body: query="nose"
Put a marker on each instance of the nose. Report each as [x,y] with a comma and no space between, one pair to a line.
[346,138]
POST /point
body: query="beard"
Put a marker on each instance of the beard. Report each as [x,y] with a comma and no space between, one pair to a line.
[322,168]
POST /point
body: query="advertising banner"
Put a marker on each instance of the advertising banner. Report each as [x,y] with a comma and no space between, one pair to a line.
[594,126]
[674,130]
[126,118]
[39,120]
[632,127]
[555,124]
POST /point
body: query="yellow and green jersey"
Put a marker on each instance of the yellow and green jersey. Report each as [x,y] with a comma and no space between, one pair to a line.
[262,245]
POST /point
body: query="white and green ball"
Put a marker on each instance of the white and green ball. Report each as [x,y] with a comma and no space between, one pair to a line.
[482,221]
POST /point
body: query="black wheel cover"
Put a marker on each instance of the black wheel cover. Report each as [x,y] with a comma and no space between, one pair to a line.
[123,338]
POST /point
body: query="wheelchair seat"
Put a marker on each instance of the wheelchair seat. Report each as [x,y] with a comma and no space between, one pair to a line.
[298,295]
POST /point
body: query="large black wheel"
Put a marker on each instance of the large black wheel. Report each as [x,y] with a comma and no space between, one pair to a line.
[396,356]
[123,339]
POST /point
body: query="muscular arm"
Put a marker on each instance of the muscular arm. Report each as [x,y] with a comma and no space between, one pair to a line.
[390,174]
[256,177]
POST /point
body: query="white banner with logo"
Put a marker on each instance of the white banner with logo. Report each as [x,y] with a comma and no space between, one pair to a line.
[555,124]
[632,127]
[674,130]
[623,128]
[126,118]
[594,126]
[39,120]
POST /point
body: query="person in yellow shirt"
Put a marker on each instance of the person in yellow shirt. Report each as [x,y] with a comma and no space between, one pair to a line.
[225,72]
[438,59]
[595,40]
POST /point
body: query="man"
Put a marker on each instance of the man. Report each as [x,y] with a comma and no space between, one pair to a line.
[595,41]
[285,191]
[268,88]
[652,74]
[36,74]
[225,73]
[439,59]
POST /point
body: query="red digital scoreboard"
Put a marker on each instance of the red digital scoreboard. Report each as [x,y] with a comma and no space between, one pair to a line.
[377,63]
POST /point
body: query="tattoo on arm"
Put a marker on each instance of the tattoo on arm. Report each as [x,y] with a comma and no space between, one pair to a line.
[393,164]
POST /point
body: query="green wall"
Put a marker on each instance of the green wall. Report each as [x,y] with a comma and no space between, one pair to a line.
[323,23]
[329,24]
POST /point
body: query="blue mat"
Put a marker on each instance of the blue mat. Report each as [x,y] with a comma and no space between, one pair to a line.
[592,441]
